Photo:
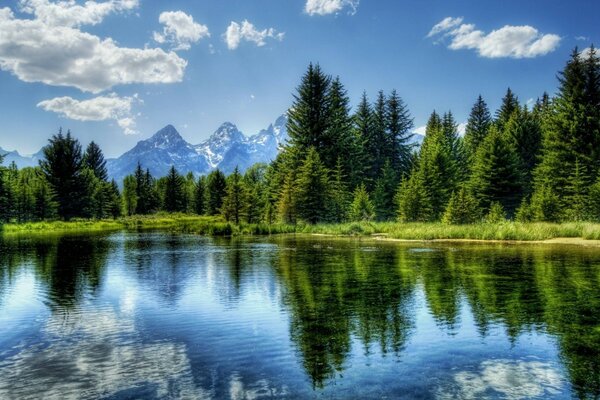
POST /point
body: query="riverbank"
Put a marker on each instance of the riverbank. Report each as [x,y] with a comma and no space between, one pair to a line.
[572,232]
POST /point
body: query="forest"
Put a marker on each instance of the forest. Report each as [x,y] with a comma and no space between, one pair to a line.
[526,164]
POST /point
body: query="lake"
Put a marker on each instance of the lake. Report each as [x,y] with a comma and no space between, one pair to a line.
[159,315]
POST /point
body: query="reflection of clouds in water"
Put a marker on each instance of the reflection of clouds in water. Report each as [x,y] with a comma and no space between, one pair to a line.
[94,353]
[258,390]
[509,379]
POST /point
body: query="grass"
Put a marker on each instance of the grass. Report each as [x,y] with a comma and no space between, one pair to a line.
[508,231]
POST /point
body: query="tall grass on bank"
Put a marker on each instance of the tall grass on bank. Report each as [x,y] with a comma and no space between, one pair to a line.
[215,226]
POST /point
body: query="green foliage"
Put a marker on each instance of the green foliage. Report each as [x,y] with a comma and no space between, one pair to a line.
[174,192]
[477,127]
[414,201]
[130,198]
[510,104]
[340,197]
[399,124]
[216,186]
[545,205]
[462,208]
[234,202]
[93,159]
[361,208]
[496,174]
[62,167]
[200,196]
[496,214]
[384,194]
[313,192]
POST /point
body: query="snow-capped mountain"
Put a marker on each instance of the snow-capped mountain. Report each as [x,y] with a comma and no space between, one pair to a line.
[22,161]
[225,149]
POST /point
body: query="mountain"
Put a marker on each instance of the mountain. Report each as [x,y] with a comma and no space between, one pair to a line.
[22,161]
[225,149]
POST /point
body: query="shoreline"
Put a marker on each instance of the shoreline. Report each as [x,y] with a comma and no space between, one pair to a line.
[571,233]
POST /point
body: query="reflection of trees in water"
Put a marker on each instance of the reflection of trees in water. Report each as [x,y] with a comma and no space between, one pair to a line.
[69,267]
[343,292]
[339,292]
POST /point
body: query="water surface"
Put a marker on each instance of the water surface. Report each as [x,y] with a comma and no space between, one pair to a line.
[156,315]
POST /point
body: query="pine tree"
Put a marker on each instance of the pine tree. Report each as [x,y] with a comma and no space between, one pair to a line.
[523,132]
[6,195]
[130,198]
[478,126]
[385,191]
[364,128]
[398,130]
[340,198]
[62,167]
[174,197]
[313,189]
[496,214]
[256,193]
[200,196]
[94,160]
[413,199]
[544,206]
[216,185]
[496,174]
[462,208]
[379,136]
[568,132]
[338,138]
[287,203]
[510,103]
[45,206]
[114,199]
[361,208]
[235,198]
[578,202]
[309,116]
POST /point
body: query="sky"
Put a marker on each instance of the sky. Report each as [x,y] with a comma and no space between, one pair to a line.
[116,71]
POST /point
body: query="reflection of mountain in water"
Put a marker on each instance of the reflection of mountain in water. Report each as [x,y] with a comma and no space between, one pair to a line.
[341,298]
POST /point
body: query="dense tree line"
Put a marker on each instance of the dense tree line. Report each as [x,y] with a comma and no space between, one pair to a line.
[530,164]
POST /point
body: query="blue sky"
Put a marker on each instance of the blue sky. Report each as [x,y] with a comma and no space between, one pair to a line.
[116,71]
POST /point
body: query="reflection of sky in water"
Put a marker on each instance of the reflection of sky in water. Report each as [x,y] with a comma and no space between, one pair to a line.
[203,320]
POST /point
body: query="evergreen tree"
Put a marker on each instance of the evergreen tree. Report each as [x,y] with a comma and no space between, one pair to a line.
[523,132]
[256,193]
[385,191]
[544,206]
[361,208]
[200,196]
[399,124]
[496,214]
[94,160]
[45,206]
[174,194]
[216,186]
[113,199]
[594,201]
[462,208]
[510,103]
[478,126]
[568,132]
[130,198]
[6,195]
[496,174]
[340,200]
[309,117]
[234,202]
[287,204]
[380,137]
[364,127]
[62,167]
[414,201]
[578,202]
[313,189]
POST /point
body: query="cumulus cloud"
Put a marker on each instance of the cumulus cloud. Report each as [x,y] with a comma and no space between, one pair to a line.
[36,51]
[69,13]
[509,41]
[180,30]
[102,108]
[585,53]
[246,31]
[324,7]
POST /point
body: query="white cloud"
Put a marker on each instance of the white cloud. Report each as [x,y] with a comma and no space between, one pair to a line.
[180,30]
[445,25]
[585,53]
[582,38]
[69,13]
[461,129]
[421,130]
[102,108]
[324,7]
[247,32]
[508,41]
[36,51]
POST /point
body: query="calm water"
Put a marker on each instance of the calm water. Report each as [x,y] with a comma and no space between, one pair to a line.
[152,315]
